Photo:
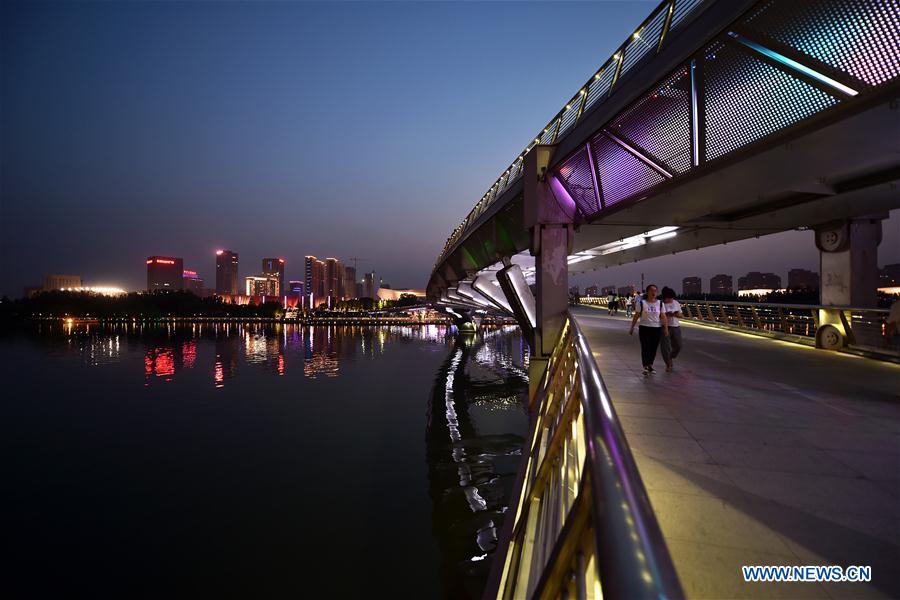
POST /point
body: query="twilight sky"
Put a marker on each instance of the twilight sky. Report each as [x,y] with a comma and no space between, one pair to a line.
[363,129]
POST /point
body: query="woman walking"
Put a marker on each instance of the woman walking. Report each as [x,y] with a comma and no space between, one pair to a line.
[670,345]
[653,325]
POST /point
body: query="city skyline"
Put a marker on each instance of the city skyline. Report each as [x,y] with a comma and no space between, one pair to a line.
[241,133]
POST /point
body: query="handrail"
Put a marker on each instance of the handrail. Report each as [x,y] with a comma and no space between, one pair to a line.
[583,524]
[797,306]
[855,329]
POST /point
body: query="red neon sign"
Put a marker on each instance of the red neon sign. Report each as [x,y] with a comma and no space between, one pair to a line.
[164,261]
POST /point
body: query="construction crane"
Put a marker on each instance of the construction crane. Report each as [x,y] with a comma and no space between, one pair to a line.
[354,259]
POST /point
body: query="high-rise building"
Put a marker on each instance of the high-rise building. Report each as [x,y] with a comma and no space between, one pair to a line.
[691,286]
[334,278]
[592,290]
[803,279]
[350,282]
[165,273]
[371,285]
[754,280]
[227,272]
[607,290]
[61,282]
[261,286]
[627,290]
[295,288]
[575,291]
[192,282]
[721,285]
[274,267]
[315,281]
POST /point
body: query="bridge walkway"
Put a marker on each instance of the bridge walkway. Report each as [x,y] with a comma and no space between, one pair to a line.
[758,452]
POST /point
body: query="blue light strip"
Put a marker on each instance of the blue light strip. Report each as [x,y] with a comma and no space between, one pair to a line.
[695,123]
[794,65]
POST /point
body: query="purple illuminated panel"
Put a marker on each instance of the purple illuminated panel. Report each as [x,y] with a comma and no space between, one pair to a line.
[575,175]
[562,196]
[622,175]
[660,123]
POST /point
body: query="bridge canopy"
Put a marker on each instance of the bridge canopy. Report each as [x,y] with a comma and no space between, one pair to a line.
[713,122]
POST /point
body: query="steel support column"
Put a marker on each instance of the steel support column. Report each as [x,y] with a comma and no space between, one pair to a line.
[848,253]
[549,215]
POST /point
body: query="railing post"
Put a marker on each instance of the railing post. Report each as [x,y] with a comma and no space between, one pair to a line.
[724,314]
[740,319]
[756,318]
[783,320]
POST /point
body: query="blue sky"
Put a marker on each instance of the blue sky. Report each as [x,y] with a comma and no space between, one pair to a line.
[344,129]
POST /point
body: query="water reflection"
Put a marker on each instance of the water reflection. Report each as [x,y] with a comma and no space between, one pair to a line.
[147,434]
[476,425]
[170,349]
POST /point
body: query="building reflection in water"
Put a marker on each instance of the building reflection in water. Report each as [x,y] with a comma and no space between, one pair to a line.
[226,347]
[476,426]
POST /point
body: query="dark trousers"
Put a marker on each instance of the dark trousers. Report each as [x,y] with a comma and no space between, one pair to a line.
[649,337]
[670,346]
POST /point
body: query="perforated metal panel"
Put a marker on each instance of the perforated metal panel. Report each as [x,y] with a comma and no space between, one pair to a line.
[621,174]
[647,41]
[600,86]
[575,175]
[859,37]
[746,99]
[660,122]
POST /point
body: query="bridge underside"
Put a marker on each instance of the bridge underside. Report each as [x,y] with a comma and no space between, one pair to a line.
[847,169]
[738,128]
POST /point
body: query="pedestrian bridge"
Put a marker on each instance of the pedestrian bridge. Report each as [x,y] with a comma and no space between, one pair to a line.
[714,121]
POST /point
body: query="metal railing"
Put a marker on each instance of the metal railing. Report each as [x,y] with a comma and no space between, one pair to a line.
[647,39]
[828,327]
[583,526]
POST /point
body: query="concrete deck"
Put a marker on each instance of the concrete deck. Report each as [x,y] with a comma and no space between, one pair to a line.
[760,452]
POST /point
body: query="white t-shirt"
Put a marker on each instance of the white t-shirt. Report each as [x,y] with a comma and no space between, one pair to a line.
[672,307]
[649,312]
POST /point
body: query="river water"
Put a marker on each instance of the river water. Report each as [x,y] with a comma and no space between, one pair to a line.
[256,460]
